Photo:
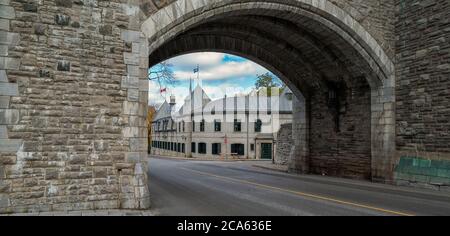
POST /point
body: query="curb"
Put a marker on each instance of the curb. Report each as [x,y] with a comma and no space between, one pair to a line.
[271,168]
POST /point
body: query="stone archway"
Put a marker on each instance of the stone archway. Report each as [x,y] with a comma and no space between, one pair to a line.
[317,49]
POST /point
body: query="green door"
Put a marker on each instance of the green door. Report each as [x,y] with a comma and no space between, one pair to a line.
[266,151]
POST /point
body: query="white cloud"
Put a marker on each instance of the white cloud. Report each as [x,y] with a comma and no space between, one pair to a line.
[213,66]
[223,71]
[190,61]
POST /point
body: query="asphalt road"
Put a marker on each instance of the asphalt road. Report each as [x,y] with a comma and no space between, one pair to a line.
[210,188]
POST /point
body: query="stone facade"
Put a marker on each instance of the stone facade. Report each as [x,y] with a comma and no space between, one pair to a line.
[73,86]
[71,106]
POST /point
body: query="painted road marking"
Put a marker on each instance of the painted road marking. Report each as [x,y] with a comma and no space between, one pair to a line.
[303,194]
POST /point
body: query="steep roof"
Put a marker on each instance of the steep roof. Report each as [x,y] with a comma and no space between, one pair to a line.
[252,103]
[163,112]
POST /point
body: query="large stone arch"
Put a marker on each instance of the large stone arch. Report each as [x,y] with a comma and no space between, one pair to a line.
[73,85]
[188,26]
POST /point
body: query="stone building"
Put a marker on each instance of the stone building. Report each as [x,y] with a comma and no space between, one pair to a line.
[244,127]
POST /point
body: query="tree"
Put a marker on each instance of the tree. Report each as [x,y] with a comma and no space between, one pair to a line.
[150,116]
[162,73]
[265,82]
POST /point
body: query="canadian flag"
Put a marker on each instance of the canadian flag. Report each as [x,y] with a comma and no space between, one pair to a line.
[163,90]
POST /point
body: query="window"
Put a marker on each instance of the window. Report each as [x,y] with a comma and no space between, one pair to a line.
[178,147]
[202,126]
[217,126]
[202,148]
[237,149]
[258,125]
[193,126]
[252,147]
[216,148]
[183,148]
[237,125]
[193,147]
[183,126]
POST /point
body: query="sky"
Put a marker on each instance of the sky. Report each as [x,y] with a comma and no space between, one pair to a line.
[220,74]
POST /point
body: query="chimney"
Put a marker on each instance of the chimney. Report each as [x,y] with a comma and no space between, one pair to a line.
[172,100]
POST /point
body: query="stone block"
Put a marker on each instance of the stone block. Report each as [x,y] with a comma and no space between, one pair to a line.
[40,29]
[131,108]
[9,89]
[9,63]
[131,132]
[3,132]
[8,38]
[9,116]
[3,76]
[133,157]
[10,145]
[51,174]
[4,201]
[30,6]
[130,82]
[131,58]
[133,95]
[4,102]
[64,3]
[133,71]
[105,30]
[4,24]
[7,12]
[131,36]
[4,50]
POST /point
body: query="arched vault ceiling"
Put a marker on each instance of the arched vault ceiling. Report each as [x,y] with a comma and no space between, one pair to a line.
[279,61]
[313,60]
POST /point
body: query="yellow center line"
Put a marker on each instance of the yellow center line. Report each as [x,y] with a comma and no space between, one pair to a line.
[301,193]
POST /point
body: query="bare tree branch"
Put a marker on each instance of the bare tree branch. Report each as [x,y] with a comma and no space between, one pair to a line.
[163,74]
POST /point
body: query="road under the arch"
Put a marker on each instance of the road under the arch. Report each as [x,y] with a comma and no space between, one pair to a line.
[184,187]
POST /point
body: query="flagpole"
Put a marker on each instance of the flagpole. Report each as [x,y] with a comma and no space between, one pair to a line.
[198,74]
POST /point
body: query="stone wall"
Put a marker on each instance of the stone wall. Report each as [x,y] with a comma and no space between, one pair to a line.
[377,17]
[340,134]
[71,107]
[284,144]
[422,87]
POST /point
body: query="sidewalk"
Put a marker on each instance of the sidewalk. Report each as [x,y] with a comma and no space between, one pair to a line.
[230,159]
[87,213]
[271,166]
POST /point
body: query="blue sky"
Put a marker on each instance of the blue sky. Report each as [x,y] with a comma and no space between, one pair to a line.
[220,74]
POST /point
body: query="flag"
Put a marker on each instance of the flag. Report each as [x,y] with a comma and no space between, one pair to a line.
[163,90]
[196,70]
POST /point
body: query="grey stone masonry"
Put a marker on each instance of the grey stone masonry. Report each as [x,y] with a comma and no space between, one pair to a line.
[70,125]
